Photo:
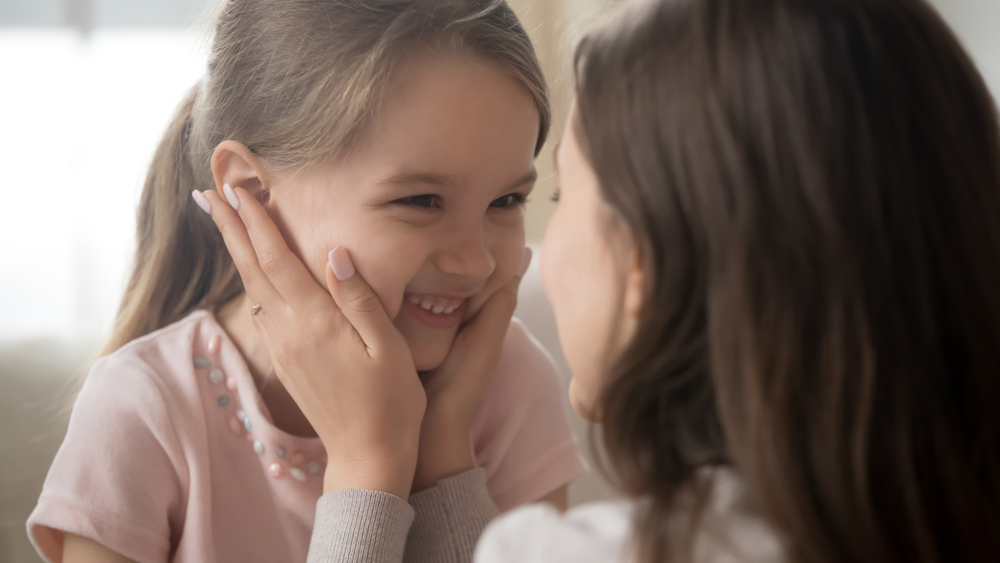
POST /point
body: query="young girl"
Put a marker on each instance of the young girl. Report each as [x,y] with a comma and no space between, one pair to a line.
[775,269]
[340,116]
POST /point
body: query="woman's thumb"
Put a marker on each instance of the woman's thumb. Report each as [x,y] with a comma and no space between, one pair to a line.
[356,299]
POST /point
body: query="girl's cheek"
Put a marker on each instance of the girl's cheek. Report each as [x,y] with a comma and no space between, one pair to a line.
[392,300]
[390,290]
[475,304]
[384,280]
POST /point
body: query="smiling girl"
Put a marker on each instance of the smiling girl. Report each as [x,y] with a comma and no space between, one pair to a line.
[404,130]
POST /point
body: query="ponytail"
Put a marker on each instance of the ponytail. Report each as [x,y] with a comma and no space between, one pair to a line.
[181,262]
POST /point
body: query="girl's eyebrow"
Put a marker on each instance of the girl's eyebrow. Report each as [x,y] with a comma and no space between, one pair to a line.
[425,178]
[443,181]
[528,178]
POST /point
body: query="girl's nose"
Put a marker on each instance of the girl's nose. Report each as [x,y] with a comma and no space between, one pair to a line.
[466,255]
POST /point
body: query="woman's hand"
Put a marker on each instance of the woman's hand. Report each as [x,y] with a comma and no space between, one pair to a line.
[455,388]
[336,352]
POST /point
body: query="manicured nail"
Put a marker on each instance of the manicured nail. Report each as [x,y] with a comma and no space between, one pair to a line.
[340,261]
[202,202]
[231,196]
[525,261]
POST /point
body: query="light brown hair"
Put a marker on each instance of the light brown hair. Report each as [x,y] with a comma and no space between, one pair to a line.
[814,187]
[298,82]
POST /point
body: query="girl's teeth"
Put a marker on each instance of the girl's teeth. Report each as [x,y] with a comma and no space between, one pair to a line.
[429,305]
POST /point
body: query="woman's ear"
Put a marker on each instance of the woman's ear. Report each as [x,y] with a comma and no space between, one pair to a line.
[234,164]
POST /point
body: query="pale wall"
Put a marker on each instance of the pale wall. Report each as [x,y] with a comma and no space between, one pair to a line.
[553,26]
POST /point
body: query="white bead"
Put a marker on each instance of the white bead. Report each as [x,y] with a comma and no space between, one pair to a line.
[216,376]
[297,474]
[258,447]
[313,467]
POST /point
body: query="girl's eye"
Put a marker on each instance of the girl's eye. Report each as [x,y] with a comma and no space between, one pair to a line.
[555,196]
[508,201]
[423,201]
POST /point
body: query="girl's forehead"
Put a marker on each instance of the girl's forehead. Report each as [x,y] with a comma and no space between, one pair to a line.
[446,125]
[446,98]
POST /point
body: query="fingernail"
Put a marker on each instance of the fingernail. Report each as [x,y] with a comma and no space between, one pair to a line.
[231,196]
[202,202]
[525,261]
[340,261]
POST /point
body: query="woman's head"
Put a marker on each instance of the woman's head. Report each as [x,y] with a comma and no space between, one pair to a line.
[809,193]
[333,110]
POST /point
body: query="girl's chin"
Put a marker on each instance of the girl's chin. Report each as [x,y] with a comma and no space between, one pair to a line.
[429,355]
[428,363]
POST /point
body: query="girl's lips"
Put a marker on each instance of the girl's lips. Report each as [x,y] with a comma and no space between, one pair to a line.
[435,311]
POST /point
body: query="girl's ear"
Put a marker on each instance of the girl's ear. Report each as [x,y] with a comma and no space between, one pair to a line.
[635,279]
[234,164]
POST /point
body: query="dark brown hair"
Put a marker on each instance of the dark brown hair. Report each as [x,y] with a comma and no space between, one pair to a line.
[814,189]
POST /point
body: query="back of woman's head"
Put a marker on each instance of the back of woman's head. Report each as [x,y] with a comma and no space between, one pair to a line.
[298,82]
[814,187]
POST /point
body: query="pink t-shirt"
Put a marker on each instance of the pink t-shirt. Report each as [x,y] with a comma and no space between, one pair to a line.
[171,455]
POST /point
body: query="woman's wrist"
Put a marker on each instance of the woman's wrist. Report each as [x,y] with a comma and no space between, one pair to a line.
[389,474]
[442,454]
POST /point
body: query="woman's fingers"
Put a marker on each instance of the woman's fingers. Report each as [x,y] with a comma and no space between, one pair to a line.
[256,283]
[283,268]
[357,301]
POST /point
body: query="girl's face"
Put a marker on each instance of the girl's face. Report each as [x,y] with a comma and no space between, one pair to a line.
[431,205]
[581,276]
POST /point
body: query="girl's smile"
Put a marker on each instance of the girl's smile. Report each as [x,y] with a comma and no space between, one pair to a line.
[435,311]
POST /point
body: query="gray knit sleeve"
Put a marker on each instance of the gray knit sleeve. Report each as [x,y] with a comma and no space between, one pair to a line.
[360,526]
[449,519]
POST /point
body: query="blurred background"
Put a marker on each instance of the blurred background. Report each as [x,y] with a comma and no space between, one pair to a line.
[86,88]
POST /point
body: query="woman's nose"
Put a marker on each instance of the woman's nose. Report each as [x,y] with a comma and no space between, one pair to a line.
[466,254]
